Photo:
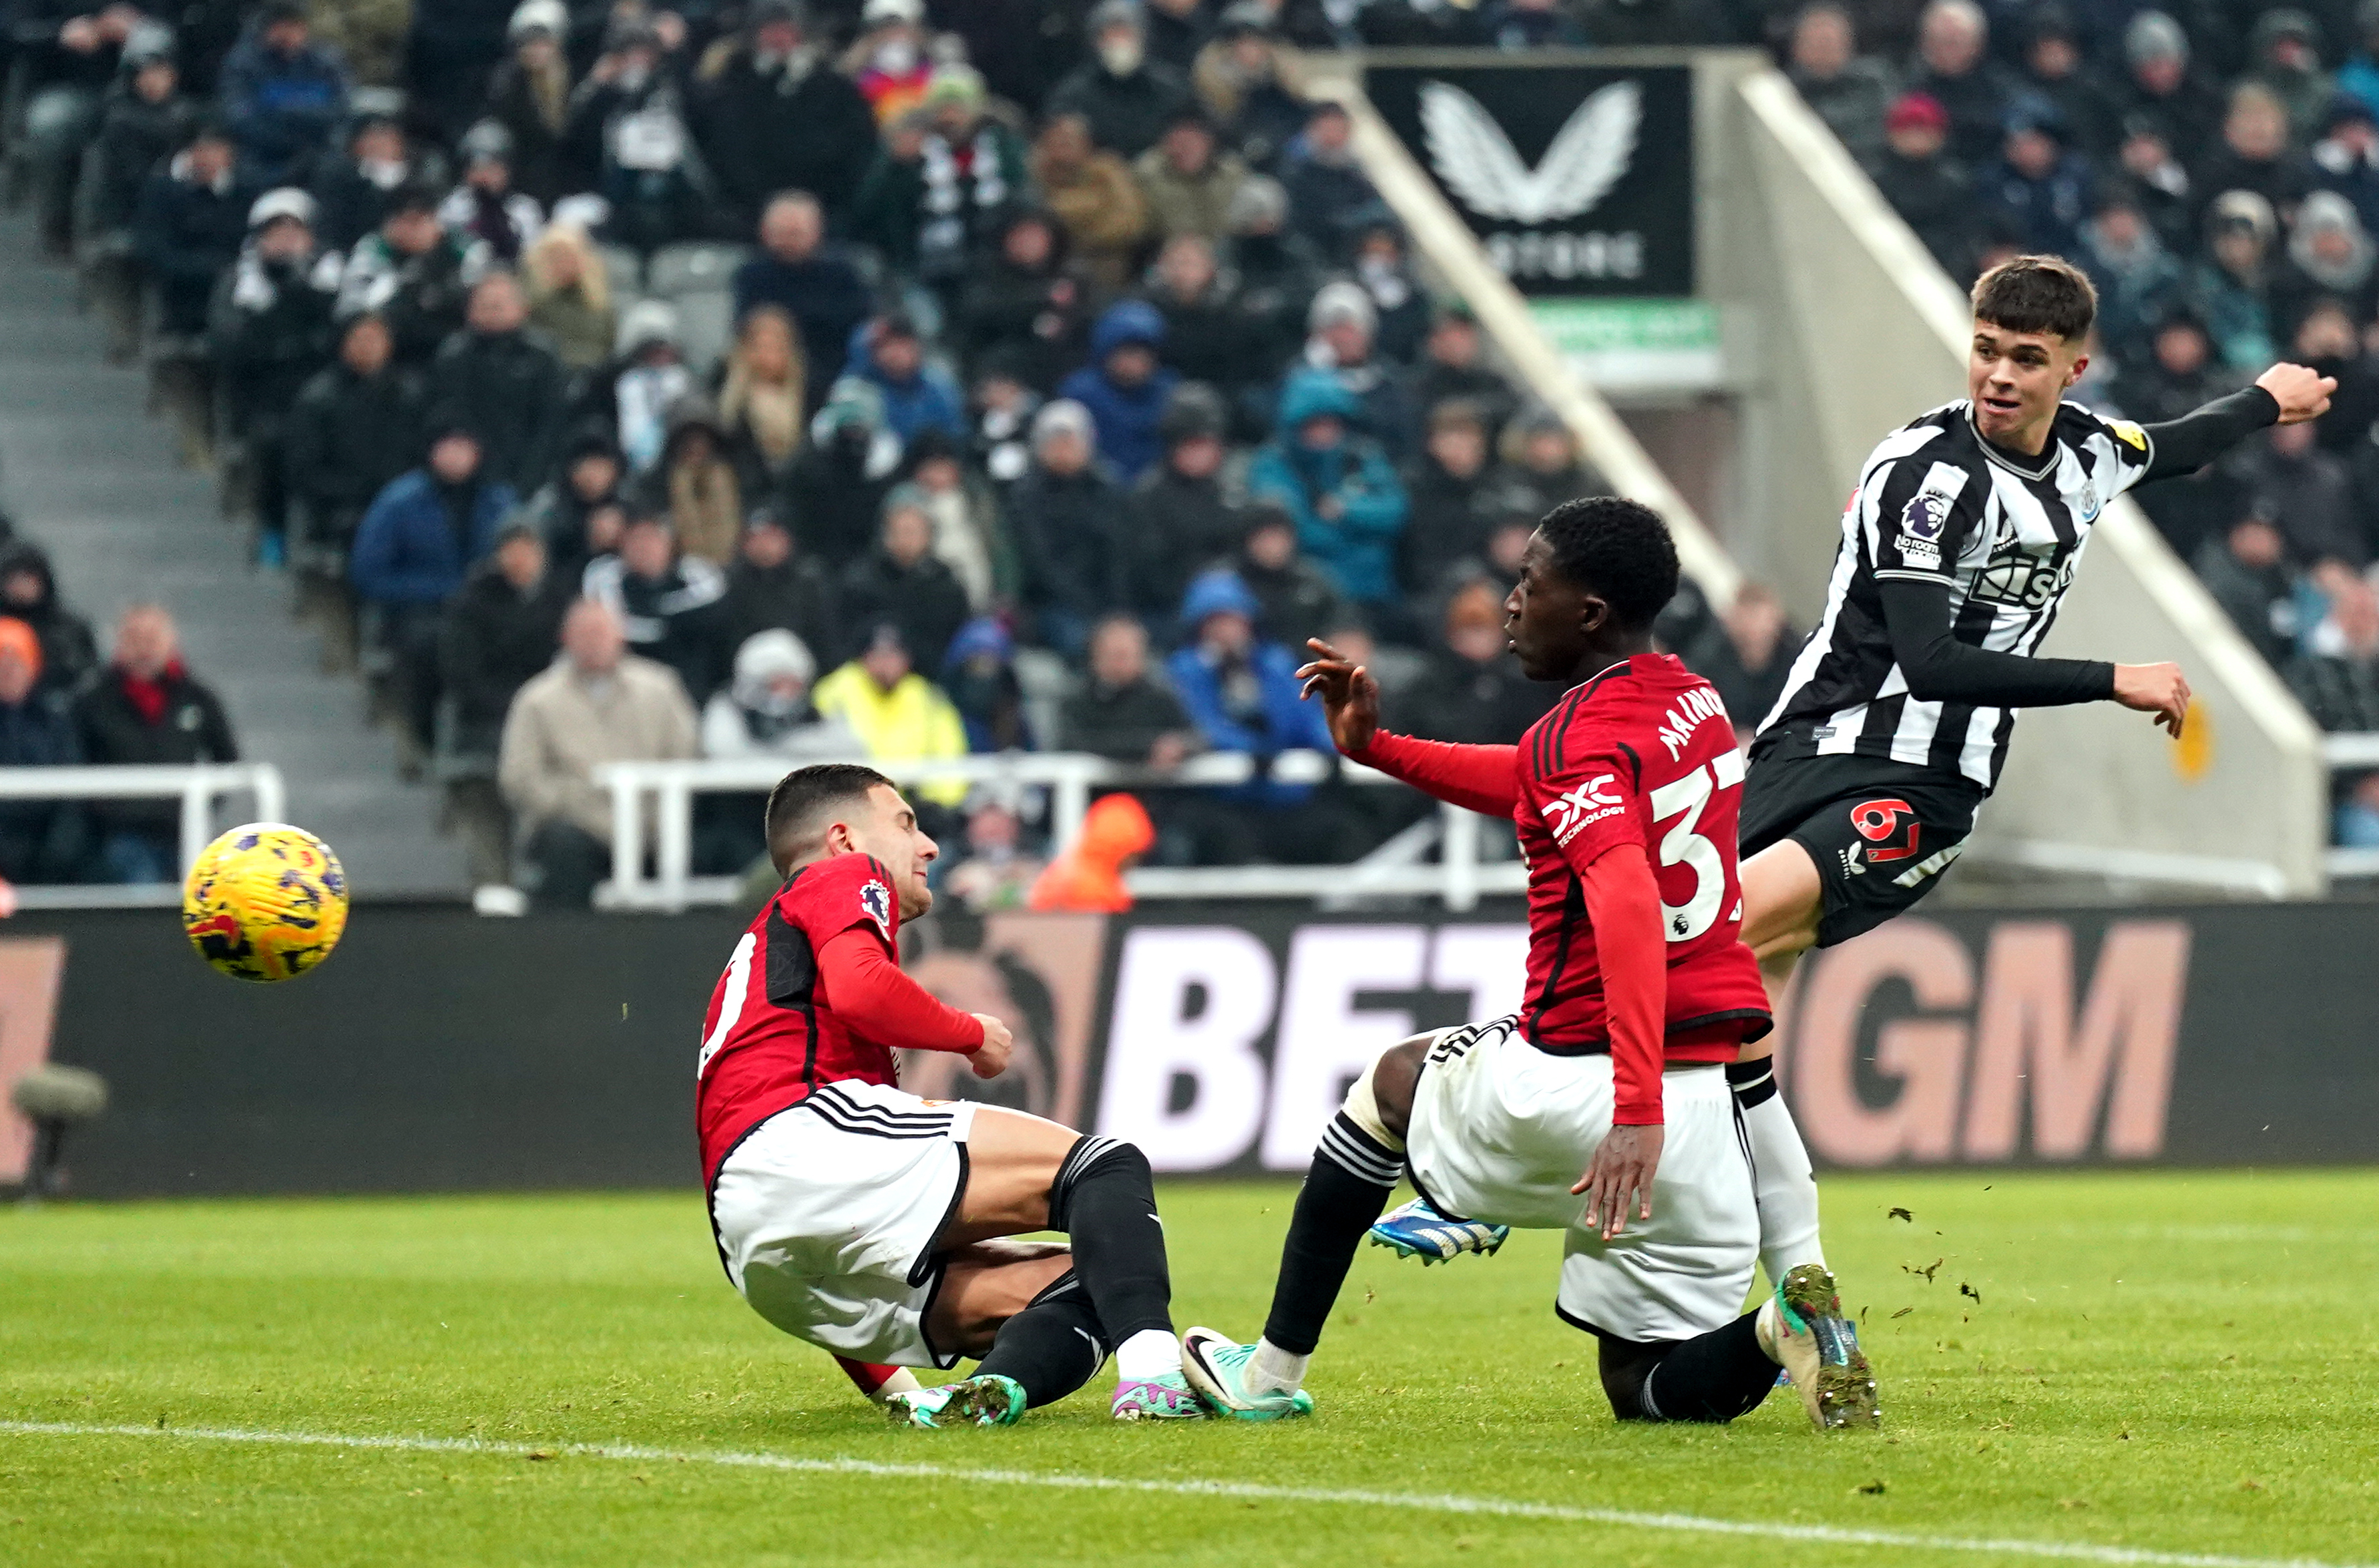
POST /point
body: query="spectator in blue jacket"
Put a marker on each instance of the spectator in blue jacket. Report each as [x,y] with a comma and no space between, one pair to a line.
[413,548]
[2041,184]
[887,354]
[1125,388]
[282,93]
[1347,502]
[1241,691]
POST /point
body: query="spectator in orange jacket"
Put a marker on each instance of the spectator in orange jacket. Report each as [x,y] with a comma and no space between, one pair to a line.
[1116,832]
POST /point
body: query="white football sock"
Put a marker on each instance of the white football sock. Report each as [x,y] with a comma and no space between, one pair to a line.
[1275,1370]
[1787,1192]
[1147,1355]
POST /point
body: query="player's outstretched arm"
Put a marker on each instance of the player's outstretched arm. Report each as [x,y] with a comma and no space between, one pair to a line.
[1480,778]
[2284,394]
[1622,904]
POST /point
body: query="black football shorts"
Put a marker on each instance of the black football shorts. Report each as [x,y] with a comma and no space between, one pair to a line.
[1882,832]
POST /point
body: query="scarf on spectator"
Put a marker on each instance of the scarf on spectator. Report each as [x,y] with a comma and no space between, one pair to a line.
[707,508]
[147,698]
[548,90]
[771,411]
[956,179]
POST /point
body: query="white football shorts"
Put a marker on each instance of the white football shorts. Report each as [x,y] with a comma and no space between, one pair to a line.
[1501,1130]
[827,1212]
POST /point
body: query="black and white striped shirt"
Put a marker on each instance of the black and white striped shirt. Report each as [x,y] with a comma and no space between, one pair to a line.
[1937,505]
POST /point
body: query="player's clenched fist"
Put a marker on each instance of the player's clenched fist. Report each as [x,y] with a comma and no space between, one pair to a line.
[990,1058]
[2302,393]
[2159,689]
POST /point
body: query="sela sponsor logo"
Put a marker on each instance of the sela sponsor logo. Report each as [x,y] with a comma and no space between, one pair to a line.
[1591,801]
[1700,703]
[876,900]
[2018,576]
[1912,1045]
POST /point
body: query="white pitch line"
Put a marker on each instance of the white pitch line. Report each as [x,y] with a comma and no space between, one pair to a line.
[1425,1502]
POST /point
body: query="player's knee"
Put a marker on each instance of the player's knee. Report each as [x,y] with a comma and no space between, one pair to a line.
[1380,1099]
[1105,1160]
[1625,1365]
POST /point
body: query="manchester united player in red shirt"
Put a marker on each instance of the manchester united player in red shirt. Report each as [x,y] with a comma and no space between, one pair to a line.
[1640,990]
[869,1222]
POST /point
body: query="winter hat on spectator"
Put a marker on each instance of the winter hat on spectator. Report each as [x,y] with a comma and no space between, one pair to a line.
[645,323]
[1127,322]
[983,637]
[1114,12]
[1916,110]
[1059,418]
[488,141]
[2330,245]
[1340,303]
[957,84]
[206,128]
[287,201]
[549,16]
[1218,591]
[2154,36]
[1195,411]
[1243,18]
[767,657]
[146,44]
[273,12]
[18,638]
[2348,108]
[1259,206]
[850,401]
[2240,210]
[590,440]
[2032,112]
[878,12]
[772,11]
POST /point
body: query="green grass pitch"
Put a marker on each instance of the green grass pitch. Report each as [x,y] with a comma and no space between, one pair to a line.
[2131,1368]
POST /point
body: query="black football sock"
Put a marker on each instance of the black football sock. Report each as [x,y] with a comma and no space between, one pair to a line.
[1105,1199]
[1713,1377]
[1052,1347]
[1344,1190]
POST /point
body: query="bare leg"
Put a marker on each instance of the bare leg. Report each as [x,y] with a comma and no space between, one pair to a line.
[986,1284]
[1024,1174]
[1782,899]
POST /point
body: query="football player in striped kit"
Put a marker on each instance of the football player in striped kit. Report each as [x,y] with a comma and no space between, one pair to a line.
[1957,547]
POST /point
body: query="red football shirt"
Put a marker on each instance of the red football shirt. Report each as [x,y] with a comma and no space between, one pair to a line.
[789,1014]
[1641,754]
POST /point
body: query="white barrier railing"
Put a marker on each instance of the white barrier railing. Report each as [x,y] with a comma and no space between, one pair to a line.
[2343,751]
[654,800]
[198,787]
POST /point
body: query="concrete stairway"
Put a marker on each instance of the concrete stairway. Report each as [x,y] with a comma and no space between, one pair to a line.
[87,475]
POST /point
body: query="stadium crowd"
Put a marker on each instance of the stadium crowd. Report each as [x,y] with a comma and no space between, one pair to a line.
[914,378]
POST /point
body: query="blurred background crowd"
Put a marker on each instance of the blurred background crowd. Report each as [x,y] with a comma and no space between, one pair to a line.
[909,377]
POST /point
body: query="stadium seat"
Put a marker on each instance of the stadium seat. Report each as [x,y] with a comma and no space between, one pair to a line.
[705,325]
[680,269]
[623,269]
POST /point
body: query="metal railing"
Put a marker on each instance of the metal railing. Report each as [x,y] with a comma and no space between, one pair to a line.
[662,793]
[198,787]
[2351,750]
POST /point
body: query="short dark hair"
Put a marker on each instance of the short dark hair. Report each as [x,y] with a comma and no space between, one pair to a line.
[1620,550]
[2037,293]
[805,794]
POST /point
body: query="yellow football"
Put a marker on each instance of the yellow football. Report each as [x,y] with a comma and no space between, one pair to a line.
[265,902]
